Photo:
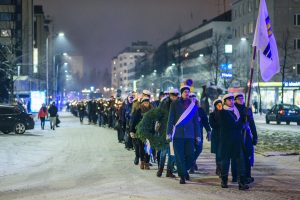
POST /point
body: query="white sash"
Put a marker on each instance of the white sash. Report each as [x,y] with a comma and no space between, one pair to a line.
[181,118]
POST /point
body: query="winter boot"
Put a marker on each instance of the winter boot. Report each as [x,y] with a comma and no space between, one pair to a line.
[224,182]
[146,166]
[242,184]
[182,180]
[142,165]
[159,172]
[136,161]
[170,174]
[192,170]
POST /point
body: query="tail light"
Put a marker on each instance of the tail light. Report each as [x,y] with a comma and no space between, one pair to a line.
[281,112]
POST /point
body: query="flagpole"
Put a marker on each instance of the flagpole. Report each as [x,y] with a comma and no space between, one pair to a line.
[251,76]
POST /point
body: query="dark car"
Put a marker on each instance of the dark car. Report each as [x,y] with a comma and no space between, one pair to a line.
[14,118]
[283,113]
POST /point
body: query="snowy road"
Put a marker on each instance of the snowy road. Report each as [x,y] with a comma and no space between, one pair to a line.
[86,162]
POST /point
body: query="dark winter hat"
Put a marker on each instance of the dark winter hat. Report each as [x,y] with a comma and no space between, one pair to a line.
[238,95]
[185,87]
[145,99]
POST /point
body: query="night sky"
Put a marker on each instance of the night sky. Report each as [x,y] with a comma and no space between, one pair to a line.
[99,29]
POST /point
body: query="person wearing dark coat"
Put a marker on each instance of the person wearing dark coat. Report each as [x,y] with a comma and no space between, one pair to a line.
[231,141]
[214,121]
[165,108]
[249,134]
[137,116]
[81,111]
[126,114]
[203,123]
[184,132]
[53,114]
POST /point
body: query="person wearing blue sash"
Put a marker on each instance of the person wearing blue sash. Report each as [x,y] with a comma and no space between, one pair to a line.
[183,129]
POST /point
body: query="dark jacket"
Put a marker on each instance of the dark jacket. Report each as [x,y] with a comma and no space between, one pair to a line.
[214,121]
[203,121]
[190,129]
[231,135]
[52,111]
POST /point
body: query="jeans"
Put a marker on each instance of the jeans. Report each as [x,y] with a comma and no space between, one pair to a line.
[163,154]
[184,154]
[42,122]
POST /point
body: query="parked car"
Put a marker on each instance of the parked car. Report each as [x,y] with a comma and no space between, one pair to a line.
[283,113]
[15,119]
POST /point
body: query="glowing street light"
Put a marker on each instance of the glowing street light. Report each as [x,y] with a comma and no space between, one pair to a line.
[61,34]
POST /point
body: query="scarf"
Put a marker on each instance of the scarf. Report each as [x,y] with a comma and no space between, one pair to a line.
[234,110]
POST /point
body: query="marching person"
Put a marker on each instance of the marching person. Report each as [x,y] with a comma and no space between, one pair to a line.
[203,122]
[250,134]
[214,121]
[165,107]
[43,113]
[137,116]
[231,141]
[183,129]
[81,111]
[53,113]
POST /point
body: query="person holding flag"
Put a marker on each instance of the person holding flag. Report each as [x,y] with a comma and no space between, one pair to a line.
[184,130]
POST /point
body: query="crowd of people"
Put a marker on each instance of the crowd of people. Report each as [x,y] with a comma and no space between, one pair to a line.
[180,128]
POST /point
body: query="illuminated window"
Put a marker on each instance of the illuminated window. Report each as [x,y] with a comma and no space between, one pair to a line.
[5,33]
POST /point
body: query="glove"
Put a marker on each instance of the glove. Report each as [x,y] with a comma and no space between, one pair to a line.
[208,136]
[168,137]
[198,140]
[132,134]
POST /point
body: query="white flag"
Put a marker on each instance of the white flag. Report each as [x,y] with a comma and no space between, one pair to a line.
[265,42]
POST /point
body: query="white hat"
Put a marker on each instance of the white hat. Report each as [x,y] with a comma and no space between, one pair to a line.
[216,101]
[226,96]
[238,94]
[147,92]
[185,87]
[167,91]
[174,91]
[192,94]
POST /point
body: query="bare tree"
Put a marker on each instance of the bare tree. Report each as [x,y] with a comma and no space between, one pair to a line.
[288,56]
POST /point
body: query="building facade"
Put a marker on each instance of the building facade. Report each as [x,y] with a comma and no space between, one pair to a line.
[285,21]
[124,65]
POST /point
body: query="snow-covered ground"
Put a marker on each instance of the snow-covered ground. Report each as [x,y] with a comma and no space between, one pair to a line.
[86,162]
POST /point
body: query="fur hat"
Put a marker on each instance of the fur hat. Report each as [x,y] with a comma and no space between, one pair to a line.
[185,87]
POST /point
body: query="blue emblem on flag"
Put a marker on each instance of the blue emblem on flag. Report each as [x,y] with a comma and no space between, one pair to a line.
[267,52]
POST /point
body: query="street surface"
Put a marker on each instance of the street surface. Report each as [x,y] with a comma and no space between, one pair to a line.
[85,162]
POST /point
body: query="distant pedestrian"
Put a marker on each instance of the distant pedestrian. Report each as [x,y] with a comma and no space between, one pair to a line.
[81,111]
[43,113]
[53,113]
